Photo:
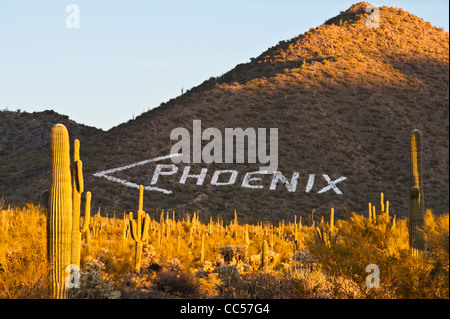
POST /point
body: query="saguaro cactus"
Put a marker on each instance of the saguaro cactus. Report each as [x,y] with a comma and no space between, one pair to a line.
[332,220]
[125,231]
[139,229]
[78,189]
[416,200]
[264,251]
[246,235]
[59,232]
[387,209]
[202,249]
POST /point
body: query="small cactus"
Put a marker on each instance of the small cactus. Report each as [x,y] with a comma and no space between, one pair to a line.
[229,275]
[139,229]
[295,232]
[178,243]
[125,231]
[202,249]
[332,220]
[271,238]
[387,208]
[324,236]
[246,235]
[393,222]
[264,252]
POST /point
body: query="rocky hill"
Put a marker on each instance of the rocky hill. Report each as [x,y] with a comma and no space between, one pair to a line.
[344,97]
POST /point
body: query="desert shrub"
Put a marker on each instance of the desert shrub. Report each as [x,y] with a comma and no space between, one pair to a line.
[233,254]
[230,281]
[179,284]
[361,242]
[310,283]
[265,285]
[93,285]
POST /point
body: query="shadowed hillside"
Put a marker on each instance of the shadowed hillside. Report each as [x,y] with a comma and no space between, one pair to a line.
[25,152]
[343,96]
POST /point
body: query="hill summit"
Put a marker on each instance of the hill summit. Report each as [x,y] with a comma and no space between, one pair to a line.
[344,97]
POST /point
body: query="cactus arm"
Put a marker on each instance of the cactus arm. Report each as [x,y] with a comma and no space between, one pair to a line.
[133,227]
[79,176]
[145,228]
[87,213]
[140,217]
[76,150]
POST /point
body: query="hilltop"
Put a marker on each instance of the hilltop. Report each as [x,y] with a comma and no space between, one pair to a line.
[343,96]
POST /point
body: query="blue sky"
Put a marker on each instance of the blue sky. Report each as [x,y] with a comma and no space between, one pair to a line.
[130,56]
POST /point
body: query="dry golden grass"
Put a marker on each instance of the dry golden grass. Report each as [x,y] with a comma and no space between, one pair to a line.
[301,264]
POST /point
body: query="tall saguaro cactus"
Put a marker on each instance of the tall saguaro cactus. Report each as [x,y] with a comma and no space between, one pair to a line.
[139,229]
[78,189]
[416,200]
[59,231]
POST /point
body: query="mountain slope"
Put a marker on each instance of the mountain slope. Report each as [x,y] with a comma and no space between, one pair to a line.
[344,99]
[25,152]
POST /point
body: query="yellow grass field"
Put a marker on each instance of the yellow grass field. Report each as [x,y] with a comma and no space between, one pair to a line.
[186,258]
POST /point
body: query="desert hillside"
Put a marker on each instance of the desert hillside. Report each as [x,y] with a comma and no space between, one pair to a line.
[343,96]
